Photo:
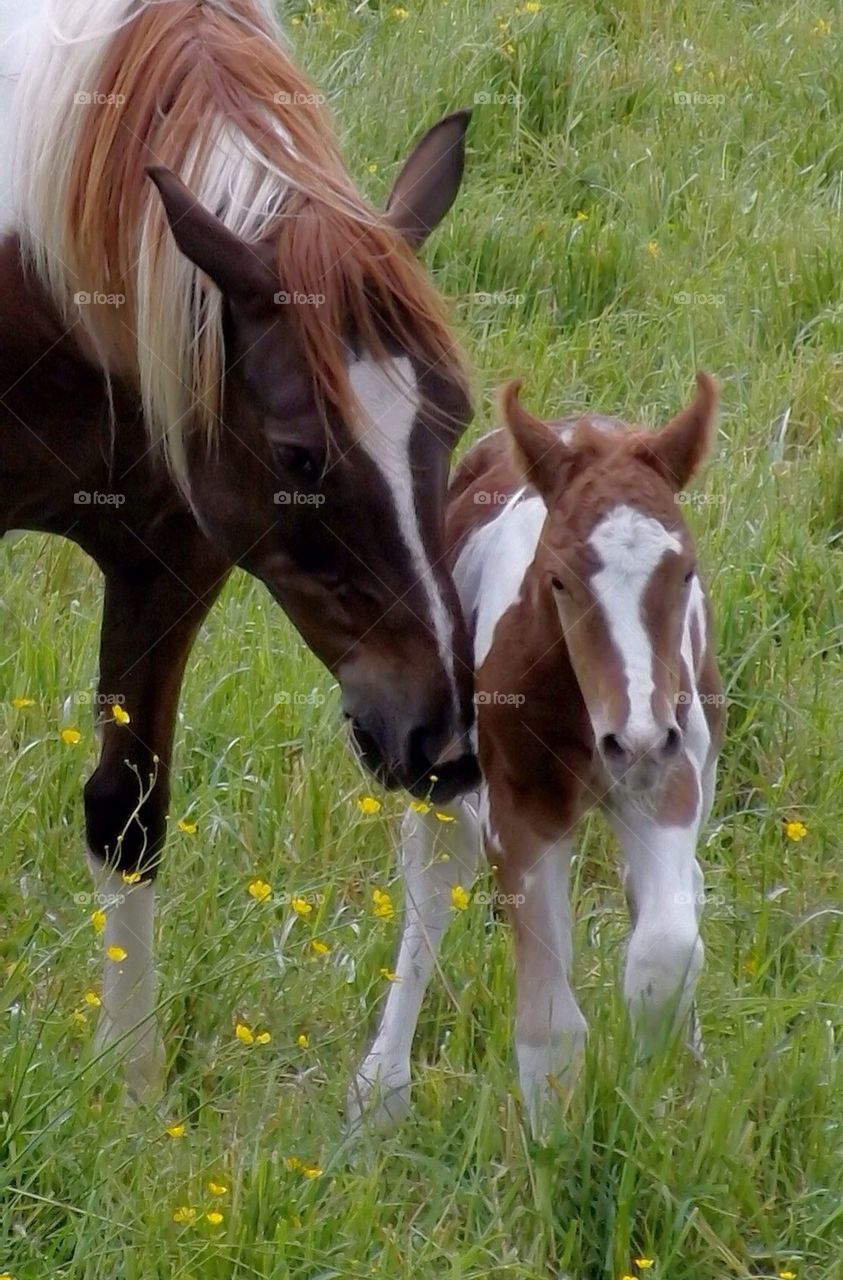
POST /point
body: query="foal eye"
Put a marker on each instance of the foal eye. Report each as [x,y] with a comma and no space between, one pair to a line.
[301,462]
[689,575]
[557,583]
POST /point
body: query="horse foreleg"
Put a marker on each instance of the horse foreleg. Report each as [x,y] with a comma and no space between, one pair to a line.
[150,620]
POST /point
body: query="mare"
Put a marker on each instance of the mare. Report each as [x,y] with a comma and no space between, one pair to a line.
[215,353]
[596,684]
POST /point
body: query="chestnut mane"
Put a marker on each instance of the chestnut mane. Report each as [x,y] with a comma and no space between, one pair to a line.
[204,88]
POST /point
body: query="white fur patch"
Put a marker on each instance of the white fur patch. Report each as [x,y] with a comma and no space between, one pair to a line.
[388,393]
[491,567]
[631,546]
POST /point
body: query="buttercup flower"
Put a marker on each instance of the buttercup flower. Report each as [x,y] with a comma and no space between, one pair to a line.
[98,920]
[121,716]
[443,817]
[19,704]
[176,1130]
[244,1034]
[795,830]
[643,1264]
[382,904]
[116,954]
[217,1188]
[184,1215]
[301,906]
[419,806]
[321,948]
[389,975]
[459,898]
[259,890]
[303,1041]
[131,877]
[71,737]
[214,1217]
[368,804]
[91,998]
[189,828]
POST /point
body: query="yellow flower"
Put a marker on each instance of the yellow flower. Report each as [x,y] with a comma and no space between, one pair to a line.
[131,877]
[373,168]
[176,1130]
[217,1188]
[19,704]
[71,737]
[214,1217]
[259,890]
[121,716]
[532,6]
[116,954]
[294,1163]
[79,1018]
[311,1171]
[419,806]
[509,49]
[184,1215]
[581,216]
[301,906]
[244,1034]
[91,998]
[653,249]
[389,975]
[303,1041]
[307,1170]
[459,898]
[321,948]
[263,1037]
[382,907]
[643,1264]
[677,67]
[783,1275]
[98,920]
[368,804]
[821,27]
[398,12]
[795,830]
[443,817]
[189,828]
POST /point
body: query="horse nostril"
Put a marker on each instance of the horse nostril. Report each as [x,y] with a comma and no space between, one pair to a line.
[672,741]
[611,747]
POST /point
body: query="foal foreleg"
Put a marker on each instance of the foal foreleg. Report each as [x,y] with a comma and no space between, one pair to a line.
[550,1029]
[150,620]
[664,887]
[436,857]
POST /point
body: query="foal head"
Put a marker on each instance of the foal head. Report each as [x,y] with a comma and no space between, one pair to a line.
[343,399]
[616,564]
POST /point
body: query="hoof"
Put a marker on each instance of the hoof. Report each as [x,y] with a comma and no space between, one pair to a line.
[378,1100]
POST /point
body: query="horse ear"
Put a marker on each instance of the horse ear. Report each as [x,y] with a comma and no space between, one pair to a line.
[428,184]
[538,452]
[244,272]
[679,449]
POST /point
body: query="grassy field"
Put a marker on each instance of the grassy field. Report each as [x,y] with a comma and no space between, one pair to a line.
[651,188]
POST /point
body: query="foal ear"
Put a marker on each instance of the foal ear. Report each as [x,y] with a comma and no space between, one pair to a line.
[538,452]
[679,449]
[428,184]
[244,272]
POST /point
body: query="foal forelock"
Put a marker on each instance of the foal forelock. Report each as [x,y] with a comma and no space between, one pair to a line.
[631,547]
[389,399]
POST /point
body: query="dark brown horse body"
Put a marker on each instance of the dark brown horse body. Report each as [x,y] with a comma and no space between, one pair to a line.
[269,385]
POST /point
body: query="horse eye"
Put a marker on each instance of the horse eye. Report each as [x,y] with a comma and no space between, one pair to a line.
[304,463]
[689,575]
[557,583]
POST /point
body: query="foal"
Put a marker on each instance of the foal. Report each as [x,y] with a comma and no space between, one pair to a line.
[596,683]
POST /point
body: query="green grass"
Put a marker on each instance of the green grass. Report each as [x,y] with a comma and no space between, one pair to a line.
[736,205]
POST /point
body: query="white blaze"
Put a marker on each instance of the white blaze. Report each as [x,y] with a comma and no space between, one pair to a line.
[388,393]
[631,546]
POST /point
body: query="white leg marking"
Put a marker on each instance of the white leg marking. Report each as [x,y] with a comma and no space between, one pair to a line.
[665,888]
[549,1026]
[630,546]
[435,857]
[127,1021]
[388,393]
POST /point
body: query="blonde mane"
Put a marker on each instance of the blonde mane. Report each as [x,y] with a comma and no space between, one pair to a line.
[205,88]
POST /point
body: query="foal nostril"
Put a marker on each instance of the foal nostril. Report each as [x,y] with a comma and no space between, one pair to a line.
[672,742]
[611,748]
